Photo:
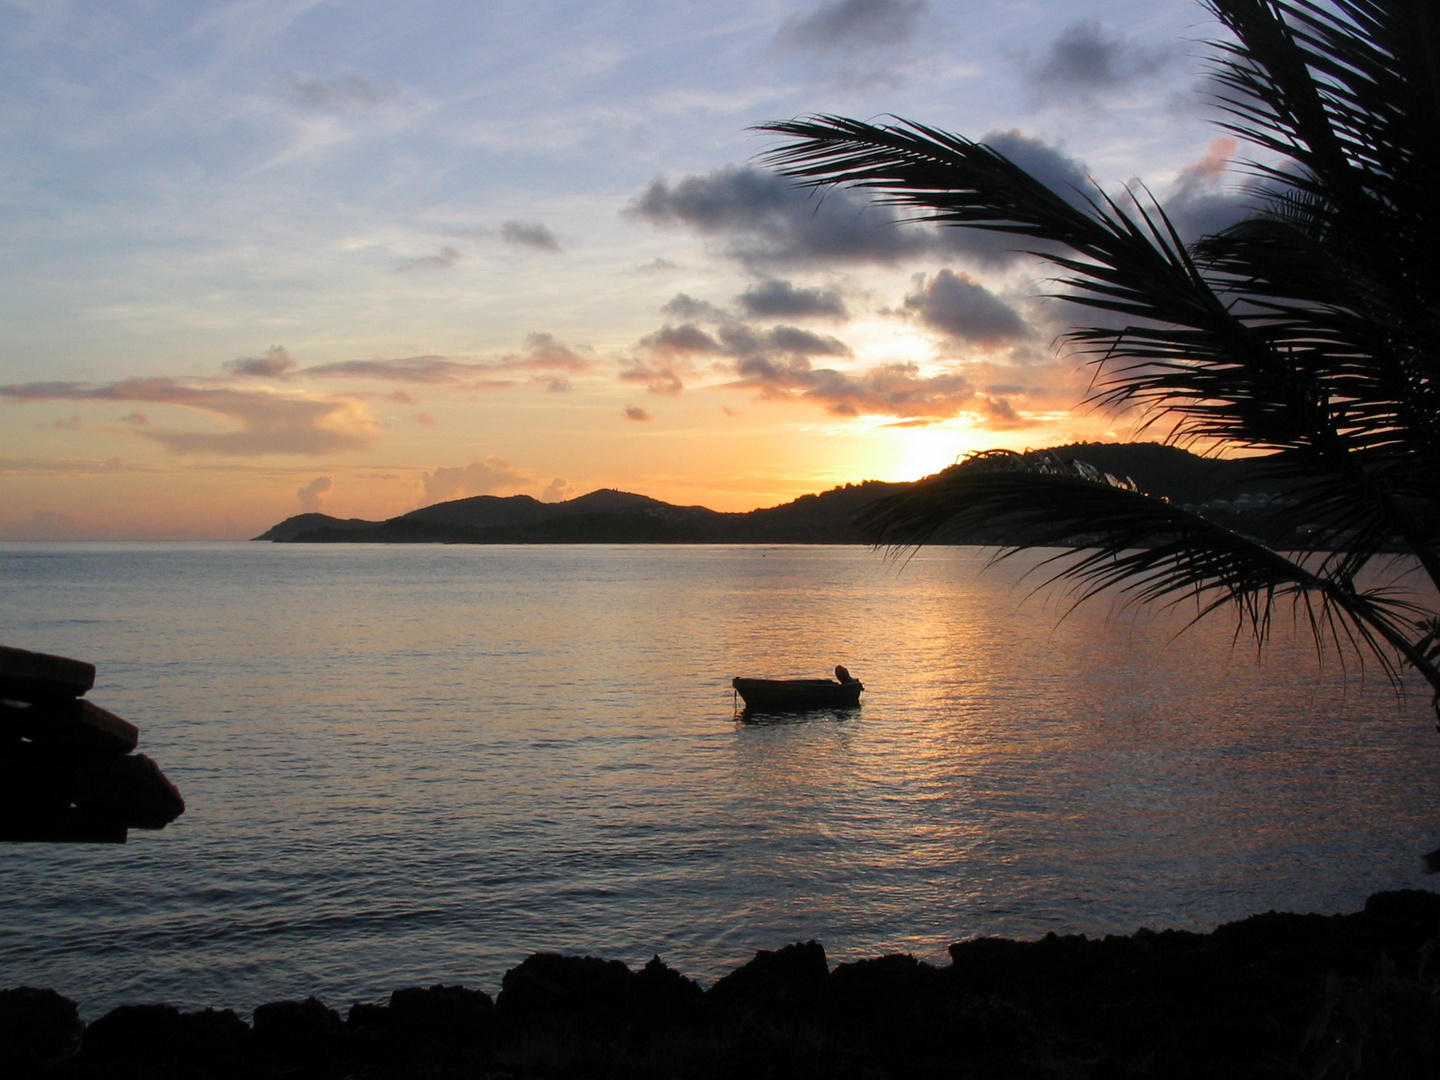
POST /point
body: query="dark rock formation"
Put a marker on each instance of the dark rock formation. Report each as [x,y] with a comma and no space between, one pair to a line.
[67,773]
[1270,996]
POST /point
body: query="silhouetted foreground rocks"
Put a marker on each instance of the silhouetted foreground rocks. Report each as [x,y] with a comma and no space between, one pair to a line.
[67,771]
[1273,995]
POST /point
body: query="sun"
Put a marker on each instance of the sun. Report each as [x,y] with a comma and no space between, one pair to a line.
[909,453]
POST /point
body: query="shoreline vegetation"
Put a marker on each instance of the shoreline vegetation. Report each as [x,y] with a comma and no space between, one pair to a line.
[1272,995]
[1237,494]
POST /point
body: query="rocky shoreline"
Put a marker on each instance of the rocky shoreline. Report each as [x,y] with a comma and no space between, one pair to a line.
[1273,995]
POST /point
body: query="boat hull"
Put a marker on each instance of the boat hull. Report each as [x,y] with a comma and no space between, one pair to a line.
[796,695]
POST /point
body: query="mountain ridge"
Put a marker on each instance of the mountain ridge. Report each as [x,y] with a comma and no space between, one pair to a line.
[608,515]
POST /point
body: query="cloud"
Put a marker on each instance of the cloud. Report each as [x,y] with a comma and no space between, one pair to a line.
[409,369]
[1197,203]
[888,390]
[1058,171]
[424,419]
[767,221]
[444,259]
[70,423]
[1086,61]
[657,266]
[674,349]
[312,495]
[658,379]
[772,299]
[960,307]
[529,234]
[270,423]
[137,418]
[684,340]
[853,25]
[742,341]
[340,93]
[684,306]
[634,412]
[486,477]
[275,364]
[541,352]
[764,222]
[558,490]
[544,352]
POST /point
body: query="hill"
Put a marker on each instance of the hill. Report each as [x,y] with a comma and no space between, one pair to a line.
[609,516]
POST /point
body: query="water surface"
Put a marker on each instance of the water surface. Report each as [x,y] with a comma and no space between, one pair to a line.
[416,764]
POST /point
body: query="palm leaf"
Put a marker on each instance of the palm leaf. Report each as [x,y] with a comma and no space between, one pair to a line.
[1115,537]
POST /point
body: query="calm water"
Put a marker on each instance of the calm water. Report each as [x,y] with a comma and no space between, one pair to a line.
[413,764]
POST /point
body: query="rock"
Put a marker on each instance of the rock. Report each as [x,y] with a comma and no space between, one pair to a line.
[292,1033]
[1411,907]
[131,789]
[38,1029]
[32,676]
[583,990]
[783,982]
[76,723]
[664,996]
[36,784]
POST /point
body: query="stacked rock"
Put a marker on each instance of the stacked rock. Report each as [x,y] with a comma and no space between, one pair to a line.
[68,773]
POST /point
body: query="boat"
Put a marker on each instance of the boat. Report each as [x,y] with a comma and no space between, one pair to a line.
[797,695]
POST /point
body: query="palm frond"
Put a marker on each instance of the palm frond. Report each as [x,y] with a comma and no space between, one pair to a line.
[1308,334]
[1149,550]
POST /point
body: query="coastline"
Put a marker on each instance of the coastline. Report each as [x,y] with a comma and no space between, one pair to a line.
[1270,995]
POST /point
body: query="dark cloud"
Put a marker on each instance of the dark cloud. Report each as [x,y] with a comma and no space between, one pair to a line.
[1059,172]
[674,350]
[1198,204]
[529,234]
[275,364]
[738,340]
[764,222]
[312,495]
[270,423]
[487,477]
[684,340]
[960,307]
[635,412]
[683,306]
[444,259]
[742,341]
[775,299]
[887,390]
[853,25]
[1086,61]
[344,92]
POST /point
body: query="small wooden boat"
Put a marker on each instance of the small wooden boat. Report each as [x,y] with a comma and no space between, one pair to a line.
[796,695]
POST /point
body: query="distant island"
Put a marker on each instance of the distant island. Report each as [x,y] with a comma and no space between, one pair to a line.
[1230,491]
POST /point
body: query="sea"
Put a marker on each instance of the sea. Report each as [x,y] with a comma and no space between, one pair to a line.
[408,765]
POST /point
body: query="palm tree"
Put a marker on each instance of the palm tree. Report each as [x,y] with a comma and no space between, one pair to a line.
[1307,336]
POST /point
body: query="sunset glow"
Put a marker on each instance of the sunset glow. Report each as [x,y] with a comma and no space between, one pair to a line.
[275,257]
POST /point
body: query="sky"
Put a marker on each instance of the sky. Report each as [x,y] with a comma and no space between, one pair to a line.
[266,257]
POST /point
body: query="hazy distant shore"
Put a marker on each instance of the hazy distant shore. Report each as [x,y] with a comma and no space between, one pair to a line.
[1270,995]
